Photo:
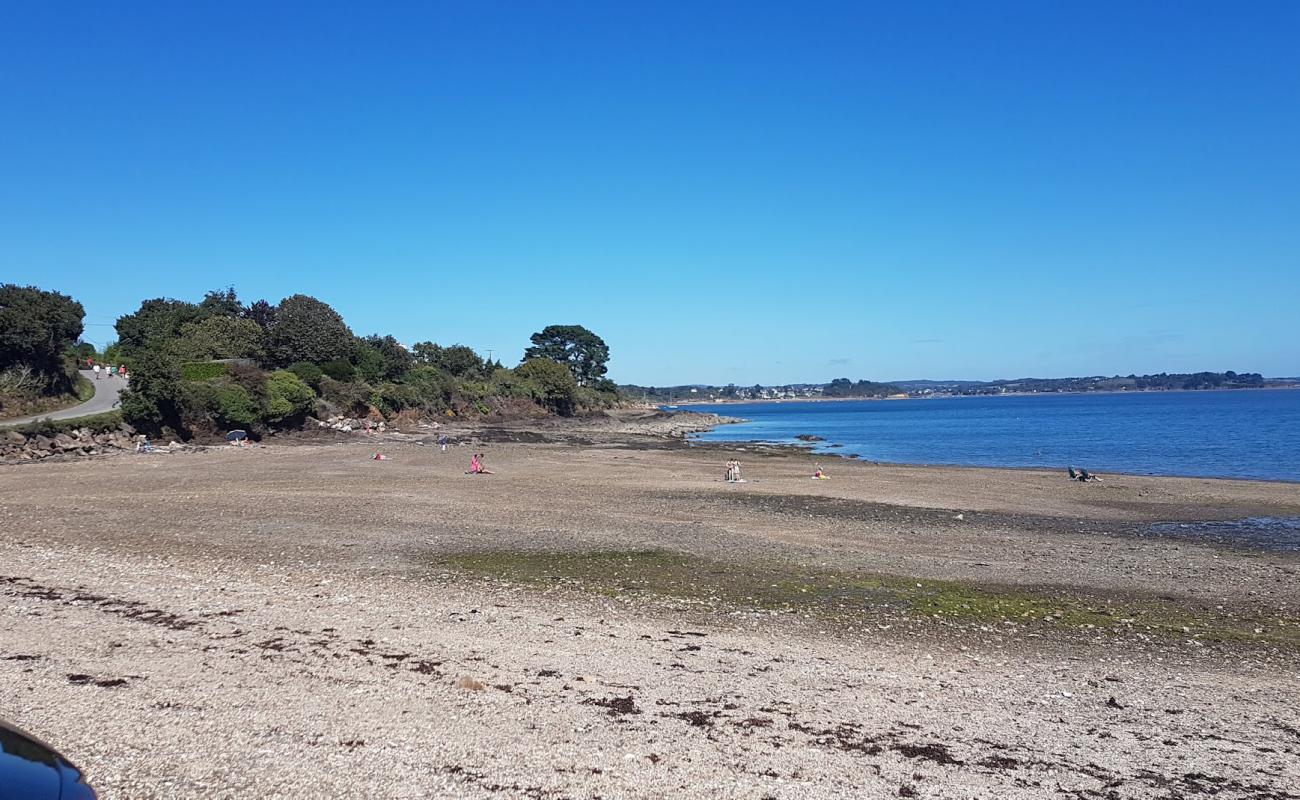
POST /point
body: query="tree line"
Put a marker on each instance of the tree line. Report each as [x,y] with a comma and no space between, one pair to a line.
[218,364]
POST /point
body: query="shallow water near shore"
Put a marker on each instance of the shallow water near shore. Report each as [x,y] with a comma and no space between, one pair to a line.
[1214,434]
[1266,533]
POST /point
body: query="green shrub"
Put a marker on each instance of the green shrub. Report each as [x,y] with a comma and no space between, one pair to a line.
[217,406]
[339,369]
[391,398]
[203,370]
[552,384]
[253,379]
[308,372]
[287,396]
[348,396]
[235,407]
[96,423]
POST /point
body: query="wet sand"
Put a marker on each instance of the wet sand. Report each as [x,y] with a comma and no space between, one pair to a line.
[604,616]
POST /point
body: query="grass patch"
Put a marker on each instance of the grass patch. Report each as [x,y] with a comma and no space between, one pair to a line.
[96,423]
[855,597]
[85,388]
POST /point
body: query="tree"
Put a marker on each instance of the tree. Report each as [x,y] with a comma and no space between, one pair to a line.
[220,337]
[306,329]
[583,352]
[263,313]
[457,359]
[155,390]
[36,328]
[552,384]
[155,323]
[382,358]
[222,303]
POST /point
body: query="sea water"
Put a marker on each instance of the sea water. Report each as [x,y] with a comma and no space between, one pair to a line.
[1223,434]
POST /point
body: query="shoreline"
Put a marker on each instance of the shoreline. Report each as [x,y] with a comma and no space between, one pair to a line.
[810,448]
[825,447]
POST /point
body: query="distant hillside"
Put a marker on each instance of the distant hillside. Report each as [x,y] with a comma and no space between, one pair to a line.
[843,387]
[1097,383]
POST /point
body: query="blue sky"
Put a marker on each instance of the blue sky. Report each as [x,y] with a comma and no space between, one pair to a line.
[742,191]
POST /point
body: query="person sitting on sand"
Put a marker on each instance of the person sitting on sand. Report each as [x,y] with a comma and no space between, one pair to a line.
[820,474]
[476,465]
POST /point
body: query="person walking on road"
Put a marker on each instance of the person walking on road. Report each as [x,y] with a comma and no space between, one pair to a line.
[96,368]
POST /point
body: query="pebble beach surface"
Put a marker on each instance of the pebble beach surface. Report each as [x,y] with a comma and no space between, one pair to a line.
[605,617]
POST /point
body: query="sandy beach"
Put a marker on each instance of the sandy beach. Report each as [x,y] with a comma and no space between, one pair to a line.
[605,617]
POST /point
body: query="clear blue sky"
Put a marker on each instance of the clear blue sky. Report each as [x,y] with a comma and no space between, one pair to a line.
[745,191]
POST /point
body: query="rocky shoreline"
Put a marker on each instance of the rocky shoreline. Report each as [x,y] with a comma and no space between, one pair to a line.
[17,447]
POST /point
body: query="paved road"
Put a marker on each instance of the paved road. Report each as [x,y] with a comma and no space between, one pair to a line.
[107,390]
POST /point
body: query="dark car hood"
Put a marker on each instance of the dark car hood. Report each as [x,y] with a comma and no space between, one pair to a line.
[32,770]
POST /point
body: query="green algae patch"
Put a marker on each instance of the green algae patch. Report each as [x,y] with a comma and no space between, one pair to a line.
[857,597]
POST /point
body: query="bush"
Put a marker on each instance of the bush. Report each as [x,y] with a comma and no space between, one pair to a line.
[203,370]
[218,406]
[348,396]
[552,384]
[234,407]
[96,423]
[252,379]
[308,373]
[287,397]
[339,369]
[391,398]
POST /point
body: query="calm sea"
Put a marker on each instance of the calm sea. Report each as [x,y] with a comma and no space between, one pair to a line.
[1225,434]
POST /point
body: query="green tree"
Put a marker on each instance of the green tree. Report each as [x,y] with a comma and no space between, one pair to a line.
[306,329]
[155,390]
[156,323]
[36,328]
[457,359]
[220,337]
[552,383]
[583,352]
[222,303]
[369,362]
[384,357]
[308,372]
[263,313]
